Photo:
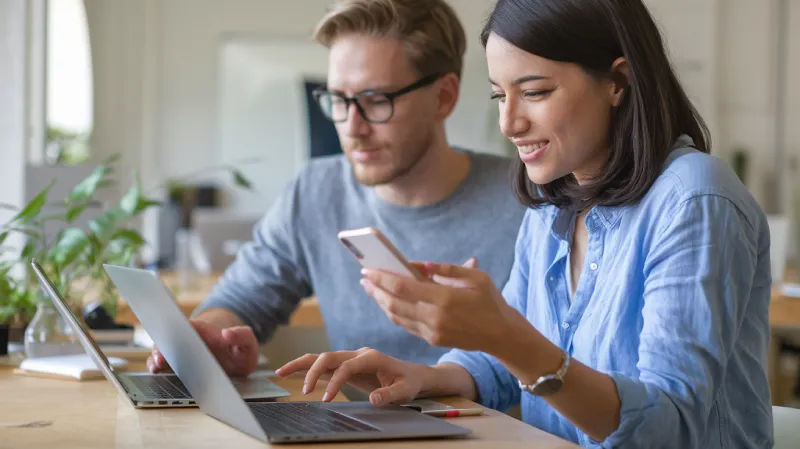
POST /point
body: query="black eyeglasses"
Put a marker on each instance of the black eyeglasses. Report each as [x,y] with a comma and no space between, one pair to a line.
[374,107]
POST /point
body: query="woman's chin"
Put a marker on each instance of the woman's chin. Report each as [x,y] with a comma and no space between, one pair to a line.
[539,175]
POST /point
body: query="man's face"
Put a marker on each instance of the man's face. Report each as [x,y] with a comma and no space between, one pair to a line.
[381,152]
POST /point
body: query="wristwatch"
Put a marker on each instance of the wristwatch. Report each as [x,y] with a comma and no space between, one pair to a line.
[550,383]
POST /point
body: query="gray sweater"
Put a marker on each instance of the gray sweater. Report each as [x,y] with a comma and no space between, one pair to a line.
[295,251]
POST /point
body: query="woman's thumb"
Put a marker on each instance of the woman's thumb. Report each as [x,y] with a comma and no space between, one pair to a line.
[397,393]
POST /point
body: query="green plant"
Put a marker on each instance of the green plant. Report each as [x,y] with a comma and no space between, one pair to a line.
[76,253]
[67,147]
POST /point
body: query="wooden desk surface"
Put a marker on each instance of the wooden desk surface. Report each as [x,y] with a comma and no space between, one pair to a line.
[784,311]
[62,414]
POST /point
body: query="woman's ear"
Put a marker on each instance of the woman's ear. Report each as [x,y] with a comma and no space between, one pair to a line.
[621,77]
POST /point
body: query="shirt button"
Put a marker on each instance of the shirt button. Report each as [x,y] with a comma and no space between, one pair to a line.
[565,325]
[593,266]
[552,279]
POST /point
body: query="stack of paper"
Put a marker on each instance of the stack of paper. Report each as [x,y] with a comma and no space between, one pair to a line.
[76,366]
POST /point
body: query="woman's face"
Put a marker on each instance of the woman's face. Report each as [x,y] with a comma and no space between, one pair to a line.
[556,114]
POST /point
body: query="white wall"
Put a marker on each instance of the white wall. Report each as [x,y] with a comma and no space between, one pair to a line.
[13,42]
[157,73]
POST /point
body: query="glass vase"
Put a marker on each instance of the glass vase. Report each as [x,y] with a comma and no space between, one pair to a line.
[48,334]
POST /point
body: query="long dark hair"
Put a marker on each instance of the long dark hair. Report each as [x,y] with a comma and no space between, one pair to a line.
[654,111]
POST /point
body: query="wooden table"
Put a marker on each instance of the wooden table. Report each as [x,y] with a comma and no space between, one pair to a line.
[63,414]
[784,318]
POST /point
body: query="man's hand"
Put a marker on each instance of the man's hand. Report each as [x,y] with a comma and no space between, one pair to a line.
[236,349]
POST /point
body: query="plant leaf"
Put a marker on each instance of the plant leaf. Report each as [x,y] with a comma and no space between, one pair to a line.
[3,236]
[113,159]
[74,212]
[130,201]
[86,188]
[71,242]
[27,250]
[34,207]
[241,180]
[26,231]
[128,236]
[104,224]
[105,183]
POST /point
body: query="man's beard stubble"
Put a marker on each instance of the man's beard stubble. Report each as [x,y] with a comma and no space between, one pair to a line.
[412,154]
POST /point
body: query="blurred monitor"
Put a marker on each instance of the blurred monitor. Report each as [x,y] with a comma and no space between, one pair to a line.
[222,235]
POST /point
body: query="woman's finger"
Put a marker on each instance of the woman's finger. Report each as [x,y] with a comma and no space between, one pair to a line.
[389,303]
[402,287]
[369,362]
[326,363]
[299,364]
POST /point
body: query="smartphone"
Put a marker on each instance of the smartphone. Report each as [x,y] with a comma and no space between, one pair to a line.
[373,250]
[434,408]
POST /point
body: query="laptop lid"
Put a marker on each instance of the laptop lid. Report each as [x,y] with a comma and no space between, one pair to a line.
[184,350]
[86,340]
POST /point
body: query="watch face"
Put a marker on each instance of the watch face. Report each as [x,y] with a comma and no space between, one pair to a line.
[547,386]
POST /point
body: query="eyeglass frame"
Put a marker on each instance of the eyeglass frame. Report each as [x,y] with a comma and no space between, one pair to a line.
[420,83]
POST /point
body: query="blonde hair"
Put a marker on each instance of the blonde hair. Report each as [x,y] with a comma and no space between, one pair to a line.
[433,37]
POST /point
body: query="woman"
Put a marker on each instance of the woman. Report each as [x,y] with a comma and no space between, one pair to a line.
[636,311]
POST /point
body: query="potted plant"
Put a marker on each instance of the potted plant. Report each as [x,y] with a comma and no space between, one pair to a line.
[74,259]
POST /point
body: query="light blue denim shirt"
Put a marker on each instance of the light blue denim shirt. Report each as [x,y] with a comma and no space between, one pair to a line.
[672,304]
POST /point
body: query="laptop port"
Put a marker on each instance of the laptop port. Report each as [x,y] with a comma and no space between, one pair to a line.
[163,402]
[176,402]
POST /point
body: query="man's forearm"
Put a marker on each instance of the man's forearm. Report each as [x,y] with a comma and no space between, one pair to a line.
[219,317]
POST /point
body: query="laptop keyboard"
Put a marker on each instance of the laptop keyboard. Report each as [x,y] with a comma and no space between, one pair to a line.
[162,387]
[300,419]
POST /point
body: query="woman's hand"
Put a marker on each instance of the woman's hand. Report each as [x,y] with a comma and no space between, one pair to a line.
[390,380]
[461,308]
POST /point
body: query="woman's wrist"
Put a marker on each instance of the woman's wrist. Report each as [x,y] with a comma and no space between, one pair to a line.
[524,351]
[447,379]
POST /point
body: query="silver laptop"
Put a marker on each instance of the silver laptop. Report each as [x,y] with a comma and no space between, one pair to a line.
[146,390]
[274,422]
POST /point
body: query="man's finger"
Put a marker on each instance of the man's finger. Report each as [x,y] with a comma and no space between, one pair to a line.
[210,333]
[240,336]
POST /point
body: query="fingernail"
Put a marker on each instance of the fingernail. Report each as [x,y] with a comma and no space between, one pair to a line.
[363,282]
[305,389]
[376,399]
[364,271]
[278,372]
[325,397]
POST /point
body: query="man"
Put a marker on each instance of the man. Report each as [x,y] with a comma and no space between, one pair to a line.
[393,79]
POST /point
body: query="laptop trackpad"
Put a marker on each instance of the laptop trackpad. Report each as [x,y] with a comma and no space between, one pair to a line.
[258,388]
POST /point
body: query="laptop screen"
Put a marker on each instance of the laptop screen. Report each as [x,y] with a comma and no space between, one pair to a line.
[66,311]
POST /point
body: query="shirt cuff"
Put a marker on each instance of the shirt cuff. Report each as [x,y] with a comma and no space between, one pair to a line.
[634,400]
[481,371]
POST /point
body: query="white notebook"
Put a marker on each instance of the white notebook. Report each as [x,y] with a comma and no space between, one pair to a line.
[77,366]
